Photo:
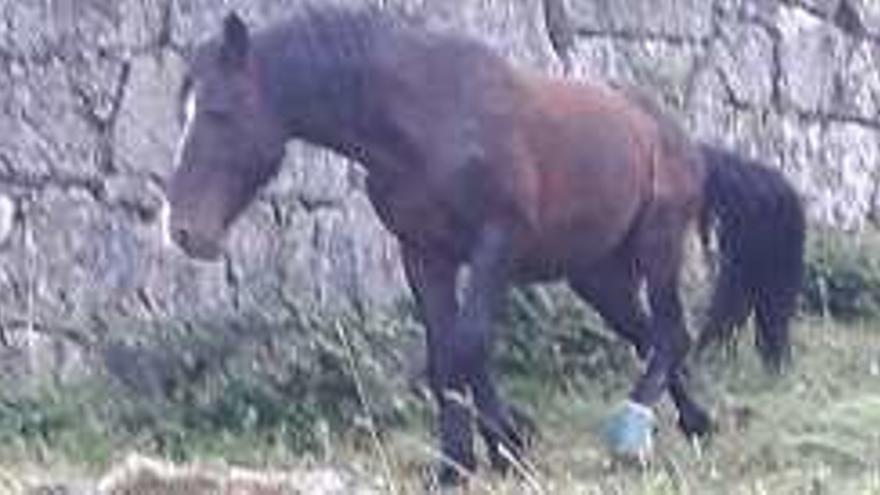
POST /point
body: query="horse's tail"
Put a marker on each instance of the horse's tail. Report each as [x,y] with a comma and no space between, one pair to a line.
[760,227]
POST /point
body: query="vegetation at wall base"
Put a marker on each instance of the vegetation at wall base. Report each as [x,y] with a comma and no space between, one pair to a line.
[842,279]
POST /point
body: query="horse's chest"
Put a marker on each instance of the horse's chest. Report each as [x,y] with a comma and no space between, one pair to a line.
[417,216]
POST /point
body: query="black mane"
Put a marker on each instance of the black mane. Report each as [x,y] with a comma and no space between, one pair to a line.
[319,56]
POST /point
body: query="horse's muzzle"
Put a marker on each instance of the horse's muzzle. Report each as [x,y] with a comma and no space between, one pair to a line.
[196,246]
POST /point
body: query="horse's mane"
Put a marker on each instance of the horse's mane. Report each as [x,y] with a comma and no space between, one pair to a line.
[322,51]
[328,36]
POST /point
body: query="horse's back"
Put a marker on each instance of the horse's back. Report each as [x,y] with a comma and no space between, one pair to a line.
[593,153]
[571,164]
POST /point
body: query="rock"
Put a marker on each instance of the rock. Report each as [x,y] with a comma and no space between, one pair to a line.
[746,126]
[136,195]
[868,12]
[82,255]
[515,29]
[839,186]
[742,46]
[31,356]
[858,82]
[673,19]
[663,67]
[41,30]
[63,488]
[147,129]
[809,50]
[51,134]
[824,70]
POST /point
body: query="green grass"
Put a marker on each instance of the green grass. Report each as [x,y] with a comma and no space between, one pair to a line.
[814,430]
[842,277]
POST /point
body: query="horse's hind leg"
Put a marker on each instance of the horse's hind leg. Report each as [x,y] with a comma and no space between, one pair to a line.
[658,245]
[613,290]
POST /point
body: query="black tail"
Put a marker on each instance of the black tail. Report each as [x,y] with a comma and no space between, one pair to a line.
[759,222]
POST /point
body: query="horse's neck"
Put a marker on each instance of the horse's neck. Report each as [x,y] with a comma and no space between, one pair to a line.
[342,118]
[326,120]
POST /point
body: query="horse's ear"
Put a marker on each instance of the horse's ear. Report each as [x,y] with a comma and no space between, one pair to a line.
[236,41]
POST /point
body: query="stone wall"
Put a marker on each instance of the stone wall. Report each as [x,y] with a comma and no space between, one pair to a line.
[795,83]
[87,127]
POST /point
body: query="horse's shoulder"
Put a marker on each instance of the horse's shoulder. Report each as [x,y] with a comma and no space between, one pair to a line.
[566,101]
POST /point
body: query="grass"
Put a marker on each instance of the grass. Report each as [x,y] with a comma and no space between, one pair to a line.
[304,393]
[814,430]
[842,277]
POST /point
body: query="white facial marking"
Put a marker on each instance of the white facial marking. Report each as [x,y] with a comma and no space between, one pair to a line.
[189,115]
[165,224]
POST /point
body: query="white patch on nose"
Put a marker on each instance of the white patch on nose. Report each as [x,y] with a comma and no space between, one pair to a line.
[165,225]
[189,115]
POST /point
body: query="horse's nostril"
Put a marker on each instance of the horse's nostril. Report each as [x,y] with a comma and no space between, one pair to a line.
[181,237]
[195,245]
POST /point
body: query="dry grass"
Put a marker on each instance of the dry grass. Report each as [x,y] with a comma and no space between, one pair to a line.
[143,476]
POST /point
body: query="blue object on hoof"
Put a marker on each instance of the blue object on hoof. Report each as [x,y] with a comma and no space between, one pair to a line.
[630,433]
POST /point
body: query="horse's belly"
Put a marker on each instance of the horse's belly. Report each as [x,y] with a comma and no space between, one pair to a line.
[552,255]
[580,223]
[537,270]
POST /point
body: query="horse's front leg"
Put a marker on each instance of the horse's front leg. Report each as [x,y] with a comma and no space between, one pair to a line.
[473,339]
[459,346]
[432,279]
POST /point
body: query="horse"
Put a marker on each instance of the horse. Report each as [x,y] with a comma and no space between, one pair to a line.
[473,163]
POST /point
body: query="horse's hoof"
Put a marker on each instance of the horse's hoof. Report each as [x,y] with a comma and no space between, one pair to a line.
[525,425]
[446,473]
[629,434]
[695,424]
[507,449]
[506,456]
[444,477]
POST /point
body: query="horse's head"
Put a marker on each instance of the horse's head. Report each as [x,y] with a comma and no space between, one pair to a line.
[232,143]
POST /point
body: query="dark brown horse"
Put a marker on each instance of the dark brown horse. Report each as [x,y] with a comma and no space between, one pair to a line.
[470,162]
